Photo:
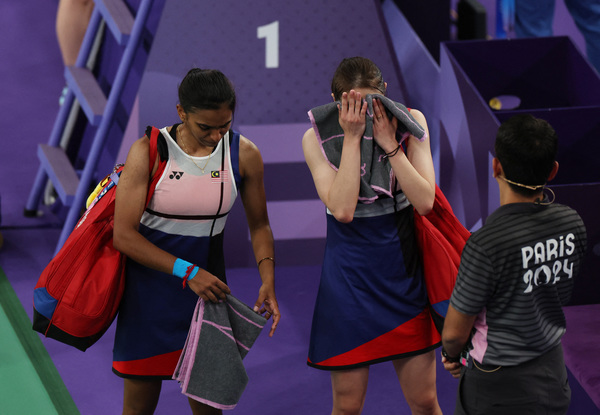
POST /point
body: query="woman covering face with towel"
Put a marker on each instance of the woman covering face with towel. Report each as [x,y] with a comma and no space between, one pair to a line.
[371,162]
[179,235]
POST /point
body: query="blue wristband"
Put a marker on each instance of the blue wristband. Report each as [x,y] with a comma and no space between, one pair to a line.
[180,269]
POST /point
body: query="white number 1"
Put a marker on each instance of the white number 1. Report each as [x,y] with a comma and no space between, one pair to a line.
[270,32]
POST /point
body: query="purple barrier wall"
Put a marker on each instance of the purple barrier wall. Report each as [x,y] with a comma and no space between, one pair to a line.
[554,82]
[419,72]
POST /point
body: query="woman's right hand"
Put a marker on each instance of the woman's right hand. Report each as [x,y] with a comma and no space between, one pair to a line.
[352,114]
[208,287]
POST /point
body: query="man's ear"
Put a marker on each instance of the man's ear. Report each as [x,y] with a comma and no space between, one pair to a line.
[333,97]
[554,171]
[496,167]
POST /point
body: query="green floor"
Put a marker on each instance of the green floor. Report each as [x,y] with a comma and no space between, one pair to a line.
[29,381]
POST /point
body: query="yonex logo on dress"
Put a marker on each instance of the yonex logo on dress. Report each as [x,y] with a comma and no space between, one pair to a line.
[176,175]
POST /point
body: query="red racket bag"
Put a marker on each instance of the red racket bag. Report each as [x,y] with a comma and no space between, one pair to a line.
[77,295]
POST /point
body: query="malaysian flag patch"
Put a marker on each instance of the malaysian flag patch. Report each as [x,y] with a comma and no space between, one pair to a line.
[219,176]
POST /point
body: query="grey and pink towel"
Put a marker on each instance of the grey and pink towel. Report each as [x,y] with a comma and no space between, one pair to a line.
[210,369]
[376,176]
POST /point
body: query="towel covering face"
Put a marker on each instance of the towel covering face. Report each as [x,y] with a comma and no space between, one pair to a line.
[210,369]
[376,172]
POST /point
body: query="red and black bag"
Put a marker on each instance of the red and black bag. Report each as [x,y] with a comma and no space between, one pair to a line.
[77,295]
[441,238]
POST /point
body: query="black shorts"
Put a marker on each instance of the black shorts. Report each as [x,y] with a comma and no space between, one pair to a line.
[539,386]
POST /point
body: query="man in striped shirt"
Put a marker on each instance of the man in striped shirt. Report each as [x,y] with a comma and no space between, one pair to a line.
[502,334]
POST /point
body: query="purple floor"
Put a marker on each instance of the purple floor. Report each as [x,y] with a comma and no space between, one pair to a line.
[280,381]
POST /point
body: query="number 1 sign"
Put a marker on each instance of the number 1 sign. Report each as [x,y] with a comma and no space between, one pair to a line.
[280,55]
[270,33]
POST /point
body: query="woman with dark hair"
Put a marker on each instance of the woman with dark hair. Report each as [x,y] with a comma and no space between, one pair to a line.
[372,305]
[180,234]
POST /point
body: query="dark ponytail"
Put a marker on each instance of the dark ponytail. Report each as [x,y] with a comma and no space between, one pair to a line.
[206,89]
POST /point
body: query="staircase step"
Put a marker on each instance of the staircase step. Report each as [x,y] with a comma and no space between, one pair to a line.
[87,91]
[118,18]
[60,172]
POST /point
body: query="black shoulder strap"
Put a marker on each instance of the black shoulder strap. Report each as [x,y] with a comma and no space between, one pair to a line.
[154,133]
[161,143]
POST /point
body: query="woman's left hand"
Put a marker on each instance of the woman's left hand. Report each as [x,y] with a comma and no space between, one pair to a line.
[266,305]
[384,129]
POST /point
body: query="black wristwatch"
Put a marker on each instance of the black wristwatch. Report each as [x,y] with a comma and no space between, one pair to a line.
[450,358]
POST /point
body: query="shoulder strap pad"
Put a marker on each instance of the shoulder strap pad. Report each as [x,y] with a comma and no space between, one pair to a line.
[158,145]
[161,143]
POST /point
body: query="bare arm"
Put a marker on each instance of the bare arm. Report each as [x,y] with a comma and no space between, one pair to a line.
[339,190]
[255,206]
[129,207]
[413,170]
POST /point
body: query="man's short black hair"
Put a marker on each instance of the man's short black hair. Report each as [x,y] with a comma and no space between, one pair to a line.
[526,147]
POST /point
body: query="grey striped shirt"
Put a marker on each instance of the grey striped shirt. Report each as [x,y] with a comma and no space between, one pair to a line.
[516,273]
